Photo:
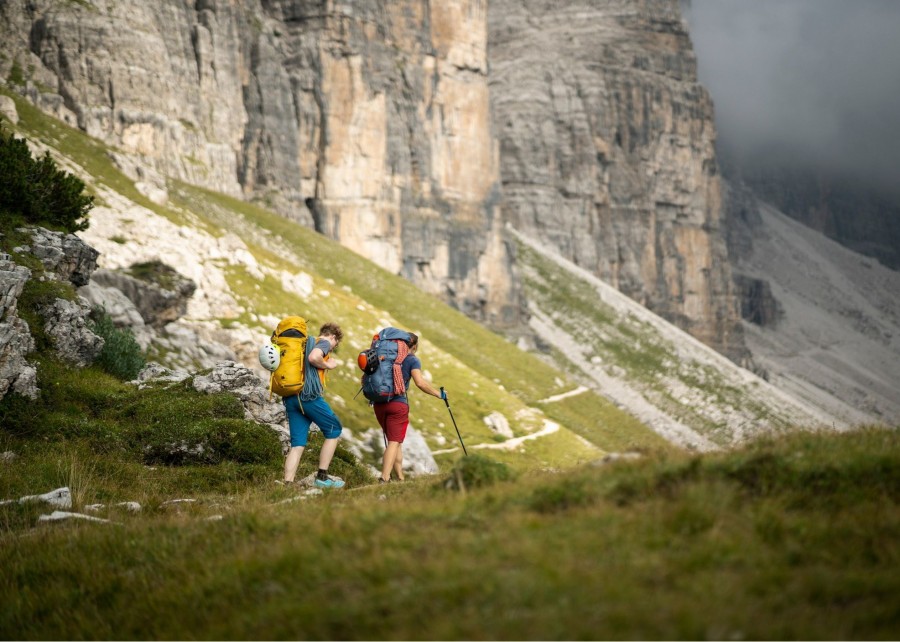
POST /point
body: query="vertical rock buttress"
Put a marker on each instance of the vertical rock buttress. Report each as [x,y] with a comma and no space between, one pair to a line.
[368,120]
[400,163]
[607,153]
[376,123]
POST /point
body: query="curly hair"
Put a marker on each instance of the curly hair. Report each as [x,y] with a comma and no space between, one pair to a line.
[332,329]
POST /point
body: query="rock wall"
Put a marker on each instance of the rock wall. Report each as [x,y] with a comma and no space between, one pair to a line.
[607,152]
[368,120]
[64,257]
[16,374]
[856,214]
[379,124]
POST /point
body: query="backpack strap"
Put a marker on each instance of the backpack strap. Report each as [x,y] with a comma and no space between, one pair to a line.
[272,376]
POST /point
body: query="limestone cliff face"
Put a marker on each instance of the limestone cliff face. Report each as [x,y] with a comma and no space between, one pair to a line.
[375,122]
[369,120]
[607,152]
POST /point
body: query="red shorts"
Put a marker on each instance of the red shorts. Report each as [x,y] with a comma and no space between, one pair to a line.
[393,417]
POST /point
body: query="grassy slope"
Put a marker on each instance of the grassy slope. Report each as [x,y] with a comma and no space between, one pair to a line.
[483,372]
[793,539]
[493,374]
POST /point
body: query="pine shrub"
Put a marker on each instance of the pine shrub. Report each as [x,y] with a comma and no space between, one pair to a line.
[37,192]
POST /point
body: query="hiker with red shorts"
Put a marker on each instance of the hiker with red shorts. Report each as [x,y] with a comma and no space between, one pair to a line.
[393,413]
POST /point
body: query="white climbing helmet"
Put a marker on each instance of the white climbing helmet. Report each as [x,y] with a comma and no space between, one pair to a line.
[269,357]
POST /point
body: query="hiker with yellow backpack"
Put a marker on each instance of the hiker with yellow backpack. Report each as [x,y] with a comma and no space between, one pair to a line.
[299,368]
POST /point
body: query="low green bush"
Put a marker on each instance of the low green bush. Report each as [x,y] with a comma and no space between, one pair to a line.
[475,471]
[211,441]
[180,426]
[121,355]
[171,426]
[20,416]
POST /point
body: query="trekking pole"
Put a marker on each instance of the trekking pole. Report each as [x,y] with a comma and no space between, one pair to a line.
[446,401]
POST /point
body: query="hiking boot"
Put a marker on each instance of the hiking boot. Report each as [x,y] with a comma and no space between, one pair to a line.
[329,483]
[381,480]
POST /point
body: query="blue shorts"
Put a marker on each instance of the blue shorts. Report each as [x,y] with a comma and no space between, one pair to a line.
[302,414]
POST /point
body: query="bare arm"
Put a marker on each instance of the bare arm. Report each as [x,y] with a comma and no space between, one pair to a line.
[423,384]
[319,360]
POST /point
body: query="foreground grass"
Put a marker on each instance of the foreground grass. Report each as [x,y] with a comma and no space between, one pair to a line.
[796,538]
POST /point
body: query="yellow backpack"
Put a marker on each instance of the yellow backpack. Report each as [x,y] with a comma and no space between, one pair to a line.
[290,337]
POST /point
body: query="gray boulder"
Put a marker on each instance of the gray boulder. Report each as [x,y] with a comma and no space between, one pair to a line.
[154,373]
[61,498]
[65,322]
[8,109]
[158,292]
[65,256]
[121,310]
[368,446]
[228,376]
[16,373]
[191,346]
[151,312]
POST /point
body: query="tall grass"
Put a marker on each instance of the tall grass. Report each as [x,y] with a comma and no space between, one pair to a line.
[79,475]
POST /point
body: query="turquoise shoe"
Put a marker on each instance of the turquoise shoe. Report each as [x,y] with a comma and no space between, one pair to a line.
[329,483]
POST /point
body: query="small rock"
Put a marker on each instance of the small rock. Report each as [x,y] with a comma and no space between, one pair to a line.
[59,515]
[61,497]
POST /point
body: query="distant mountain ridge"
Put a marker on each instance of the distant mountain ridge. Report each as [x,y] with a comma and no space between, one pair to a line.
[835,339]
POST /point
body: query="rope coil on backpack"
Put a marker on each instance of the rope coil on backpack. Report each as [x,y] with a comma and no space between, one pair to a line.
[402,352]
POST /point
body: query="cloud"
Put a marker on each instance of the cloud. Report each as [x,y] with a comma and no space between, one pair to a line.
[818,79]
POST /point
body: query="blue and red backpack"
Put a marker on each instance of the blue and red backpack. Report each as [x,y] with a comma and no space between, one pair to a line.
[382,379]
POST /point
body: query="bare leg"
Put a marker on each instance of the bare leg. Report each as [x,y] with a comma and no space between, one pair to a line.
[292,462]
[327,452]
[390,456]
[398,462]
